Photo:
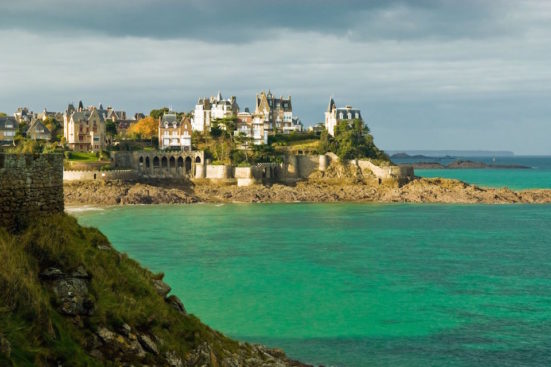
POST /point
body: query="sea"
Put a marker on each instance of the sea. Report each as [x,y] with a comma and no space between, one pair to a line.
[537,175]
[356,284]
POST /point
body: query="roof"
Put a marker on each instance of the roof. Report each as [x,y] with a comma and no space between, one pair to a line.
[169,118]
[38,123]
[6,120]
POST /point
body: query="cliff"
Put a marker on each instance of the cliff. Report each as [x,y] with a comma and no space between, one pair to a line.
[70,299]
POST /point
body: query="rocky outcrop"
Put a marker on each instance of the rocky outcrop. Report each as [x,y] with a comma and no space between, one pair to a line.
[70,290]
[337,186]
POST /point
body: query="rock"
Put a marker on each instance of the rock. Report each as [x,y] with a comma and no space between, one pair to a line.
[125,329]
[161,287]
[148,344]
[80,272]
[72,296]
[173,360]
[5,347]
[106,335]
[97,354]
[51,273]
[177,304]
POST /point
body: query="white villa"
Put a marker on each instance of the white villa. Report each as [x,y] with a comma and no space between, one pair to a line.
[335,114]
[208,109]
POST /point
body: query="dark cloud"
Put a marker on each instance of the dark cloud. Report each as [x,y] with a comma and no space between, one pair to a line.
[240,21]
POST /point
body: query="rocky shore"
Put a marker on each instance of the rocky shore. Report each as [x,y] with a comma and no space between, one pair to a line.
[420,190]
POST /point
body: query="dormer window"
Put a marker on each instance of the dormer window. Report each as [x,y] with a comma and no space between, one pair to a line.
[166,125]
[341,116]
[357,115]
[349,116]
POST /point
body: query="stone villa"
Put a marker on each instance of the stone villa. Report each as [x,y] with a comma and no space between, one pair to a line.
[335,114]
[208,109]
[175,133]
[84,129]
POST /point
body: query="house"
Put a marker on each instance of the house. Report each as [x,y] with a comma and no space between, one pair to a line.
[23,115]
[84,129]
[335,114]
[38,131]
[44,115]
[208,109]
[115,116]
[252,126]
[295,126]
[8,129]
[277,112]
[175,133]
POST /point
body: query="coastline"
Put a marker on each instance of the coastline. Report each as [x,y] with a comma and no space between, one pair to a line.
[419,190]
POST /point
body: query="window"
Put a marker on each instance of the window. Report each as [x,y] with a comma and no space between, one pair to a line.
[349,115]
[341,116]
[357,115]
[9,133]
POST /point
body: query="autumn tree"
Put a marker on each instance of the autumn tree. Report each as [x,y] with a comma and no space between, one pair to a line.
[145,128]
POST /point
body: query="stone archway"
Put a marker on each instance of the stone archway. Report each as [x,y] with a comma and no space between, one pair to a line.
[172,162]
[164,162]
[197,159]
[180,162]
[188,164]
[147,164]
[156,162]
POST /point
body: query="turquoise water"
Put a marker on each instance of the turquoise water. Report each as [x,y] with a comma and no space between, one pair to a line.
[357,285]
[516,179]
[537,176]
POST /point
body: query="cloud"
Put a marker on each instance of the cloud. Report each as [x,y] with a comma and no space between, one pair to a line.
[425,73]
[241,21]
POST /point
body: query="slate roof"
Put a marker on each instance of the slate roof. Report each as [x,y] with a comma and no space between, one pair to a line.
[6,120]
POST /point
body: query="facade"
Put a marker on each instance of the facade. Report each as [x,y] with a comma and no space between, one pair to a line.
[38,131]
[84,129]
[23,115]
[277,112]
[335,114]
[8,129]
[175,133]
[252,126]
[212,108]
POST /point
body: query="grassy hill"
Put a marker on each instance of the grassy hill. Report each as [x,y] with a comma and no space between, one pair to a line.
[68,298]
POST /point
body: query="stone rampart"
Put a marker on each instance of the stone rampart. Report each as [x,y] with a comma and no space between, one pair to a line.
[126,174]
[31,185]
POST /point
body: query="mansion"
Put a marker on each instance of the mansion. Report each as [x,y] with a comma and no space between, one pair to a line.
[174,133]
[84,128]
[335,114]
[208,109]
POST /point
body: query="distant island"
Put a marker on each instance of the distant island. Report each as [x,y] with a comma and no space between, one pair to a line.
[453,153]
[462,164]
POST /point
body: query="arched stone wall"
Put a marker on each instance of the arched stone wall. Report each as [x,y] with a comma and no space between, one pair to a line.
[167,164]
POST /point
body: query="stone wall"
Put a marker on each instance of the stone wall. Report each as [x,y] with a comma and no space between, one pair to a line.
[127,174]
[31,185]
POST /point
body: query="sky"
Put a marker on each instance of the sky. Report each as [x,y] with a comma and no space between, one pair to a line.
[426,74]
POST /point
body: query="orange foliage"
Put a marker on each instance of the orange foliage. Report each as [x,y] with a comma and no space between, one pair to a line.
[145,128]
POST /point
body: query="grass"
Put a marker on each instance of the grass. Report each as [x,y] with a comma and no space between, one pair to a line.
[83,157]
[121,289]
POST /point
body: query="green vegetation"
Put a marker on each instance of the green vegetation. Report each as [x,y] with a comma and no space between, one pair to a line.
[352,140]
[156,114]
[122,292]
[33,146]
[3,114]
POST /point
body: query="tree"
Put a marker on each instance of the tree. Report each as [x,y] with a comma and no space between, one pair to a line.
[352,140]
[110,128]
[2,114]
[55,128]
[156,114]
[145,128]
